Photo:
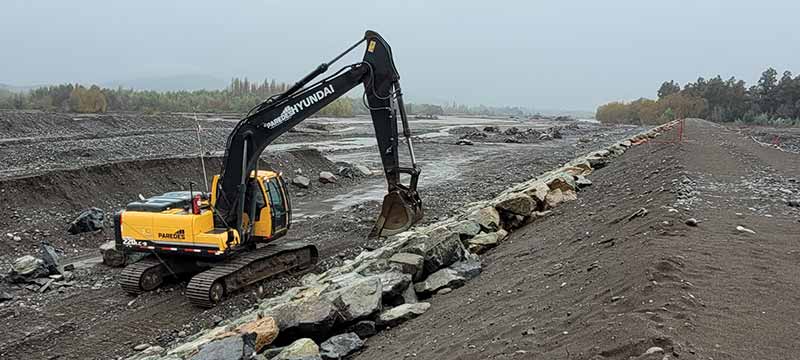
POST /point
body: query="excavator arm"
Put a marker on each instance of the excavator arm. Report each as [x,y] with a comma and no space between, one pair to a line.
[402,206]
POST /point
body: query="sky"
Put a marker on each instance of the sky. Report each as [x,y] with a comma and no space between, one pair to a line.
[571,55]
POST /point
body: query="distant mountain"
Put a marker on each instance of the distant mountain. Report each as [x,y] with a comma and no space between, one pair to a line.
[171,83]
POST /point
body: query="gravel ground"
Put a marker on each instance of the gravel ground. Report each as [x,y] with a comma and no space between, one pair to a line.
[592,282]
[337,217]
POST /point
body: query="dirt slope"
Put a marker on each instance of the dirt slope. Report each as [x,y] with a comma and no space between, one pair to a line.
[591,282]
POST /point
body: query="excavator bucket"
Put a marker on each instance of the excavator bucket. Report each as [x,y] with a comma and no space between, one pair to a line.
[401,209]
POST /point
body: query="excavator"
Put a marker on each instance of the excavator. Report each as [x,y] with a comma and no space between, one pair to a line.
[227,239]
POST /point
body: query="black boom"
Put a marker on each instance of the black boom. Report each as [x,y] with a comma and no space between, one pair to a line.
[281,113]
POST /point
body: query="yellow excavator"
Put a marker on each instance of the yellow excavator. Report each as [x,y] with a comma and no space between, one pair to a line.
[226,239]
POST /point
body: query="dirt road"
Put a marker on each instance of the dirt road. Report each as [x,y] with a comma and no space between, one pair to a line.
[592,282]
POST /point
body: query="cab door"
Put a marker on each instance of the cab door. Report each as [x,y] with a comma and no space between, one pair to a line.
[278,205]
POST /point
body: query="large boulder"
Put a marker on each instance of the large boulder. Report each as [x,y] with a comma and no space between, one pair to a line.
[479,244]
[326,177]
[301,181]
[87,221]
[438,250]
[301,349]
[516,203]
[400,314]
[312,316]
[469,268]
[408,263]
[111,256]
[445,278]
[230,347]
[393,284]
[562,181]
[596,162]
[465,228]
[363,328]
[576,169]
[339,346]
[358,300]
[361,170]
[27,268]
[488,218]
[50,258]
[265,330]
[537,191]
[554,198]
[582,181]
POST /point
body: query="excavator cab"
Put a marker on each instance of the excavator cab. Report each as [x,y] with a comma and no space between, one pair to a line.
[270,207]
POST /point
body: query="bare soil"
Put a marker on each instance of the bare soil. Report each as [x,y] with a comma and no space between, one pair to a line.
[590,282]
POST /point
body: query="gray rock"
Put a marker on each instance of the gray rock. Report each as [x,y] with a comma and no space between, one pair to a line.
[326,177]
[582,181]
[440,279]
[309,316]
[301,349]
[27,268]
[464,142]
[468,269]
[6,296]
[50,257]
[111,256]
[87,221]
[438,250]
[362,170]
[410,296]
[393,284]
[691,222]
[466,228]
[340,346]
[793,203]
[408,263]
[400,314]
[517,203]
[363,328]
[301,181]
[483,242]
[359,299]
[488,218]
[596,162]
[562,181]
[141,347]
[444,291]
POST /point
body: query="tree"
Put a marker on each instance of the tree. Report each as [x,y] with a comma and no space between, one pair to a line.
[668,88]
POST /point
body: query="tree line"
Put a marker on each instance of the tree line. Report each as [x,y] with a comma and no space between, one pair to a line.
[770,101]
[238,97]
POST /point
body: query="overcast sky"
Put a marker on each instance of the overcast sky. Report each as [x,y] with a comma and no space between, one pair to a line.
[541,54]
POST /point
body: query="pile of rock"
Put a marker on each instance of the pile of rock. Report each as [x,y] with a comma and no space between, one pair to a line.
[42,273]
[381,288]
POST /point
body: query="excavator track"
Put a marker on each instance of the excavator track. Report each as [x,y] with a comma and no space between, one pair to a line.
[143,276]
[209,287]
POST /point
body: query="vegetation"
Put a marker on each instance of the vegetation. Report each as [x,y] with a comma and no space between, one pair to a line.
[772,101]
[238,97]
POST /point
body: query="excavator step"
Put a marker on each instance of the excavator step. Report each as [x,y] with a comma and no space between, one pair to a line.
[209,287]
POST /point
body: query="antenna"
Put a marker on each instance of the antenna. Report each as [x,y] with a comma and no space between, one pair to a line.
[200,145]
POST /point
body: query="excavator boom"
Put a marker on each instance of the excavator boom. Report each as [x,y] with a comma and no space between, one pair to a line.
[402,206]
